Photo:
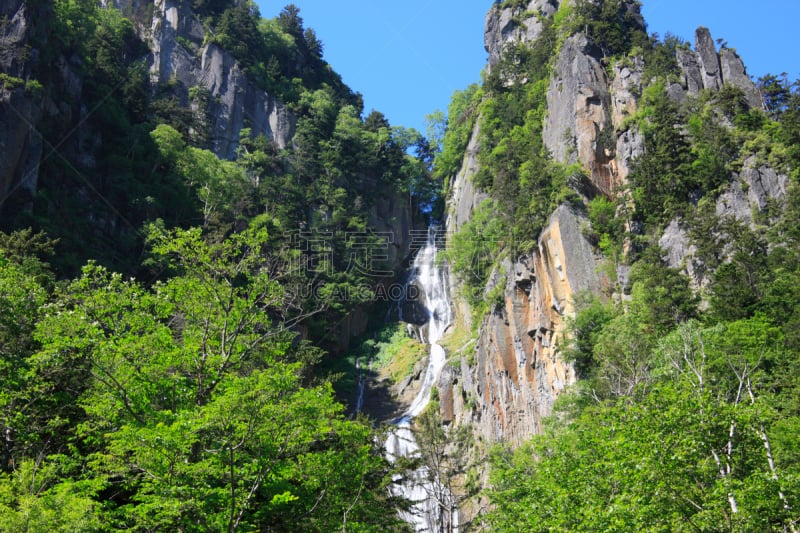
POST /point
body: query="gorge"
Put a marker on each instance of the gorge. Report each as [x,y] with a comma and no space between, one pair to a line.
[203,231]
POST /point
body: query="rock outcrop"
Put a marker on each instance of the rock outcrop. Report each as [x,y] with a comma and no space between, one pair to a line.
[518,371]
[205,77]
[708,60]
[578,127]
[704,68]
[465,197]
[693,81]
[504,381]
[508,25]
[179,52]
[748,192]
[184,61]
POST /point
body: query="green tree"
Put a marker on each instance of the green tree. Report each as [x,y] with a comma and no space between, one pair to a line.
[444,452]
[195,400]
[591,316]
[33,498]
[659,178]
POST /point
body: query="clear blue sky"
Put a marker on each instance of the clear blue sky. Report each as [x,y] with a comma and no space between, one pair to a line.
[407,57]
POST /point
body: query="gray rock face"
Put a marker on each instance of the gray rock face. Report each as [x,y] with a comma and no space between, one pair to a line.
[578,126]
[748,192]
[708,59]
[463,200]
[518,371]
[630,145]
[625,87]
[626,84]
[692,76]
[234,101]
[501,28]
[391,217]
[734,73]
[465,197]
[679,250]
[20,112]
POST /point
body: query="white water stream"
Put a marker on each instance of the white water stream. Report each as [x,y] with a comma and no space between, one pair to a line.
[433,508]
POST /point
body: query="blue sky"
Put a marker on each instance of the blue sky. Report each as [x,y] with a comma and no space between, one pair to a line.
[407,57]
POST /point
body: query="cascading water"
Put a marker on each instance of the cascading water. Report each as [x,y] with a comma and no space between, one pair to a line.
[433,509]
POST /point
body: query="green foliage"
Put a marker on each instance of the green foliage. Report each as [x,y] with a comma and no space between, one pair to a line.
[511,4]
[162,386]
[34,498]
[188,398]
[206,8]
[10,83]
[611,25]
[665,297]
[737,286]
[677,459]
[220,186]
[276,52]
[776,93]
[27,417]
[74,23]
[451,134]
[659,178]
[388,349]
[237,32]
[475,250]
[33,88]
[445,454]
[660,57]
[514,165]
[713,148]
[591,315]
[607,227]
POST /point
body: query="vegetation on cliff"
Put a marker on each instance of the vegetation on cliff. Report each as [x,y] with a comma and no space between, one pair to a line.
[685,414]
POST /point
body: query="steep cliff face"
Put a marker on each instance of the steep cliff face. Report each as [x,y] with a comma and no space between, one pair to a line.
[20,107]
[588,108]
[578,126]
[517,371]
[187,81]
[465,196]
[205,77]
[505,379]
[180,52]
[749,192]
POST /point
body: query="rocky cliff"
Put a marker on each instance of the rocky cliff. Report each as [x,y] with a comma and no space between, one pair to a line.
[506,378]
[181,51]
[506,381]
[182,77]
[749,192]
[522,24]
[205,78]
[705,68]
[20,106]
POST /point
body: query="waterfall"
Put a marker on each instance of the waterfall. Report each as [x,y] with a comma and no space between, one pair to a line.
[431,499]
[362,382]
